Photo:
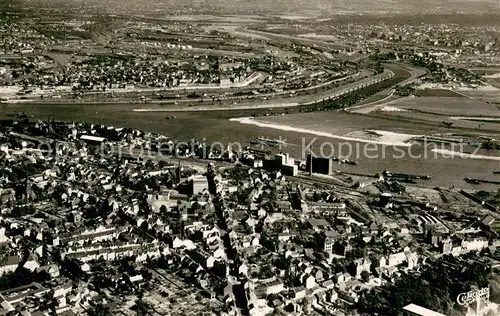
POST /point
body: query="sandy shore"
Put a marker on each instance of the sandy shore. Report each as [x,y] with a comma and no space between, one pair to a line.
[392,109]
[451,153]
[363,136]
[17,101]
[475,118]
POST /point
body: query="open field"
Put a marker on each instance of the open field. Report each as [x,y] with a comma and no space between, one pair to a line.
[341,123]
[494,81]
[476,118]
[365,135]
[448,106]
[487,95]
[485,71]
[432,112]
[438,93]
[435,122]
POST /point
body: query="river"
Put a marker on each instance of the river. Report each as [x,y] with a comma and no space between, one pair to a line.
[216,126]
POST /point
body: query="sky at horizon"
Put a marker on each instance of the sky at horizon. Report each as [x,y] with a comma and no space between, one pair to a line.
[271,7]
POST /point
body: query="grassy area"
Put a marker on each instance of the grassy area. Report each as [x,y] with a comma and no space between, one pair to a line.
[438,93]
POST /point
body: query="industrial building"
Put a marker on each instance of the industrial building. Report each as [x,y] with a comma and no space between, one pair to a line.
[287,164]
[319,165]
[198,184]
[93,140]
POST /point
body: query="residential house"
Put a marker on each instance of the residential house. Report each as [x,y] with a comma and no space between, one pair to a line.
[310,282]
[360,265]
[330,238]
[299,292]
[270,286]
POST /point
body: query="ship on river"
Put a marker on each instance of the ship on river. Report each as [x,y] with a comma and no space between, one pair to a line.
[267,141]
[406,176]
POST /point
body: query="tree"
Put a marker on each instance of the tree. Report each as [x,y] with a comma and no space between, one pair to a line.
[494,288]
[99,310]
[289,308]
[365,276]
[141,306]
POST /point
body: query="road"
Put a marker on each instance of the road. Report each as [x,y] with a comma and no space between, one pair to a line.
[372,106]
[415,74]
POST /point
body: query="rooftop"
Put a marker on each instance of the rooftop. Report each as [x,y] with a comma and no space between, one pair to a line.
[92,138]
[419,310]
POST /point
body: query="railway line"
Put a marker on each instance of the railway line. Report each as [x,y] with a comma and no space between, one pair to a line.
[311,181]
[294,102]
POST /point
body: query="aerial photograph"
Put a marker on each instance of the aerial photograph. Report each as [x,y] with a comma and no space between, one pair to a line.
[250,158]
